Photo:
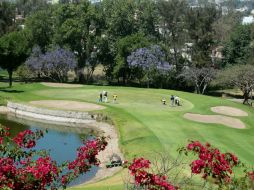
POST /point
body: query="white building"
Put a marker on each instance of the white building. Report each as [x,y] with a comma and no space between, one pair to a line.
[95,1]
[57,1]
[242,9]
[248,19]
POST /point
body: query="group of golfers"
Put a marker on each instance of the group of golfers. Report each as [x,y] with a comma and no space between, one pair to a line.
[174,101]
[103,97]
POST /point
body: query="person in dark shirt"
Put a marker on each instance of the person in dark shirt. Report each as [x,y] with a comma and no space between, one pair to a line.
[172,99]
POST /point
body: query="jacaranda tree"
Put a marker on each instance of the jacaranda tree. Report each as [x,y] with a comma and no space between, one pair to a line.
[54,64]
[149,60]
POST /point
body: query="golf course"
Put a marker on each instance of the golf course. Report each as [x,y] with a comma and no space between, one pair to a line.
[144,124]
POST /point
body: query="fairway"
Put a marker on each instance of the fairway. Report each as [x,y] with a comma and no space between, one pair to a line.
[145,125]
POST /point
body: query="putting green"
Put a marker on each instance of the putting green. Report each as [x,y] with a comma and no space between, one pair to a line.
[146,126]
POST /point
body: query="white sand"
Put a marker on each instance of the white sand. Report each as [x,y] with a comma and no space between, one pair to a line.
[219,119]
[67,105]
[230,111]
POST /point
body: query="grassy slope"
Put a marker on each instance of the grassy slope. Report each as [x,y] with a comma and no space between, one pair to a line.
[145,125]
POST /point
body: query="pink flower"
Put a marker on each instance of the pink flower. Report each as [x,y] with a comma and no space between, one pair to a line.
[142,177]
[251,175]
[25,139]
[212,162]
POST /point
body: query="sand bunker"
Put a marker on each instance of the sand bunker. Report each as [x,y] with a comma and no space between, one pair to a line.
[67,105]
[226,110]
[219,119]
[61,85]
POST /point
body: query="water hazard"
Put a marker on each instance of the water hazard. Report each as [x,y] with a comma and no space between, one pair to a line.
[61,141]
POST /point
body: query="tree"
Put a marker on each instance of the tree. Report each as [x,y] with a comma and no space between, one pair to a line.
[225,25]
[239,76]
[238,48]
[77,28]
[120,18]
[149,59]
[53,64]
[27,7]
[199,77]
[199,22]
[125,46]
[126,18]
[172,23]
[147,18]
[39,27]
[13,52]
[24,73]
[7,16]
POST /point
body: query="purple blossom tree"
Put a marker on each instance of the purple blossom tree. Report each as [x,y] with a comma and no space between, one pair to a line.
[149,60]
[53,64]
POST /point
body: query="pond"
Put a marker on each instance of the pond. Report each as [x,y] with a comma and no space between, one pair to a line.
[61,141]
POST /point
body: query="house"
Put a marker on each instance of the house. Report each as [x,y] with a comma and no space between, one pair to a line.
[217,54]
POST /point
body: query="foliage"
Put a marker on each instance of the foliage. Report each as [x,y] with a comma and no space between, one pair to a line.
[125,46]
[146,180]
[225,25]
[28,7]
[199,24]
[7,14]
[211,162]
[124,19]
[149,59]
[173,19]
[239,76]
[13,52]
[120,19]
[200,77]
[77,27]
[39,28]
[147,18]
[237,49]
[107,32]
[24,73]
[54,64]
[24,168]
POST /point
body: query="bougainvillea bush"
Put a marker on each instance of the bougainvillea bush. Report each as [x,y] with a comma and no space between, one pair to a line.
[143,179]
[214,167]
[211,162]
[22,168]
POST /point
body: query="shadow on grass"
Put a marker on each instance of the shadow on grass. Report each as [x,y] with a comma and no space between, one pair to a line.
[9,90]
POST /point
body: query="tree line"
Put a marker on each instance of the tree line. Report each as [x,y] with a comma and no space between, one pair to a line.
[109,33]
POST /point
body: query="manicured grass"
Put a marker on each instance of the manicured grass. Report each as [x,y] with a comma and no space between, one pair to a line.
[145,125]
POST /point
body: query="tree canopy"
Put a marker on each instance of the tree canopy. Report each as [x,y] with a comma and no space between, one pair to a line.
[192,34]
[13,52]
[239,76]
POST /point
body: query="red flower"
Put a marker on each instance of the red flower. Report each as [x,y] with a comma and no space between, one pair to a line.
[20,170]
[212,162]
[251,175]
[144,178]
[25,139]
